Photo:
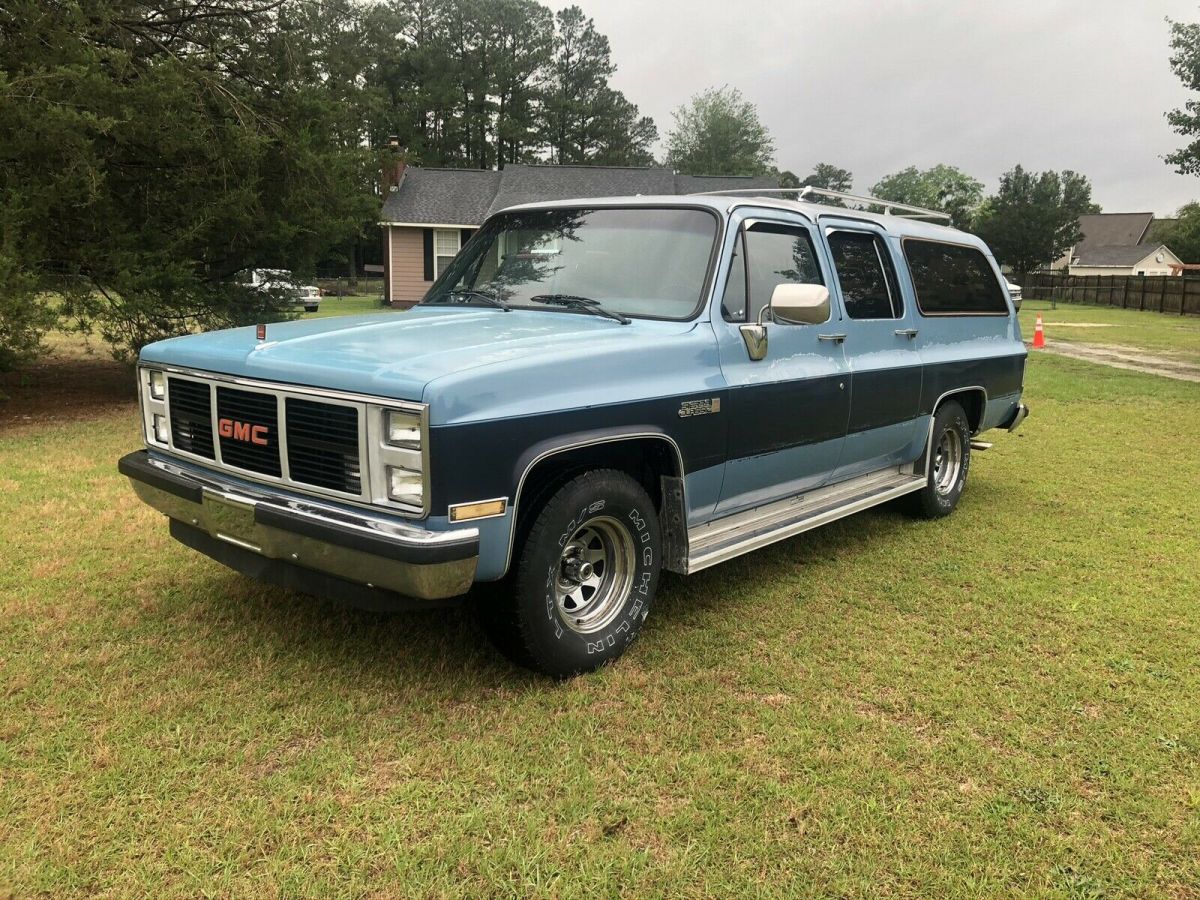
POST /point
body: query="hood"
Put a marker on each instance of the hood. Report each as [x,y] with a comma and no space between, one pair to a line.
[401,355]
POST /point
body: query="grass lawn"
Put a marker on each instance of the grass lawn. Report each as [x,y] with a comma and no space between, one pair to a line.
[1157,332]
[1003,702]
[349,306]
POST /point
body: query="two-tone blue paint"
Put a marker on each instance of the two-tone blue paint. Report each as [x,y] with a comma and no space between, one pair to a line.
[507,389]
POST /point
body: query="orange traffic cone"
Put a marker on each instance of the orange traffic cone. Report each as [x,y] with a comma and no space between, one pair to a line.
[1039,335]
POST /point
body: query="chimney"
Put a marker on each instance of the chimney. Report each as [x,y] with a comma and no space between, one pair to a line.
[395,162]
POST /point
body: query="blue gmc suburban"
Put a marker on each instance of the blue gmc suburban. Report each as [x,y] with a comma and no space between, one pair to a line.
[592,392]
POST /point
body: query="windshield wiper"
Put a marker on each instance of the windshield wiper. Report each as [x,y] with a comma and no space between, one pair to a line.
[587,304]
[474,293]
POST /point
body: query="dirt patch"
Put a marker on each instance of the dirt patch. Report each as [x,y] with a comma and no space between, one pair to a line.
[64,387]
[1132,358]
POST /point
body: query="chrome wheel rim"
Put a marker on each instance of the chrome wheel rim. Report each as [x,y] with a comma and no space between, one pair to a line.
[595,573]
[947,461]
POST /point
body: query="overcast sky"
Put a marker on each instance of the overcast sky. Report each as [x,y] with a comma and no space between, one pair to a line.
[877,85]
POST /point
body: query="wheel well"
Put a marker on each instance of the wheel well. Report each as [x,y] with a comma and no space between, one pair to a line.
[648,460]
[645,459]
[972,402]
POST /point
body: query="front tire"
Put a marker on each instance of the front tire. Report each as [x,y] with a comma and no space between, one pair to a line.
[949,462]
[585,577]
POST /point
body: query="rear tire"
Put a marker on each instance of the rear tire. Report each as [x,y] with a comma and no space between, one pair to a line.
[584,580]
[949,462]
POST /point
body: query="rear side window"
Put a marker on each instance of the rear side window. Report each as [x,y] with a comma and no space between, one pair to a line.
[765,256]
[951,279]
[865,273]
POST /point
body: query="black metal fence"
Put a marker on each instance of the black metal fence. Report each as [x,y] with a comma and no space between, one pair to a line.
[342,286]
[1157,293]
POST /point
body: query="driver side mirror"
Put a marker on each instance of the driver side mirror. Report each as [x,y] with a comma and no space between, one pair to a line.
[797,304]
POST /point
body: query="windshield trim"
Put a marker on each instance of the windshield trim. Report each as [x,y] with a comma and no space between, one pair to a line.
[714,254]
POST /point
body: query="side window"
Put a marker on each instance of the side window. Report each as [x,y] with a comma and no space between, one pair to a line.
[951,279]
[770,255]
[864,270]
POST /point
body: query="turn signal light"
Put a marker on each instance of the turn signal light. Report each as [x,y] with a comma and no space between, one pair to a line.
[463,511]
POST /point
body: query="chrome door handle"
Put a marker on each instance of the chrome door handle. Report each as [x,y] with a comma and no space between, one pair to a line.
[836,338]
[909,333]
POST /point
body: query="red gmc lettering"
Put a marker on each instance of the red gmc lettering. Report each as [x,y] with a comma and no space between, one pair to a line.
[243,431]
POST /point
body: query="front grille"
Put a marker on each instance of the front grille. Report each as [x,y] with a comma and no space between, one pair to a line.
[191,417]
[293,437]
[248,428]
[322,445]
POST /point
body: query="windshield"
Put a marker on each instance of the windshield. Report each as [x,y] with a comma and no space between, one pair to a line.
[650,262]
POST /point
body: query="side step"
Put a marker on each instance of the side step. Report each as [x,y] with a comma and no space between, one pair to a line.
[716,542]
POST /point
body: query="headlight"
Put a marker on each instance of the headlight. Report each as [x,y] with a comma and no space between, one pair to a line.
[406,486]
[398,456]
[158,384]
[403,429]
[161,434]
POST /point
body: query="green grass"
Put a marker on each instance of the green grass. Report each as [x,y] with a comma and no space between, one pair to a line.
[1157,332]
[348,306]
[1004,702]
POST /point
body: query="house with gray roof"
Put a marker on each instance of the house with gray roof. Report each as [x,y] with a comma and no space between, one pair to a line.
[428,214]
[1119,244]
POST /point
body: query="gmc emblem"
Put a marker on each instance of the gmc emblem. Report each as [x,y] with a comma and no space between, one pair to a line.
[242,431]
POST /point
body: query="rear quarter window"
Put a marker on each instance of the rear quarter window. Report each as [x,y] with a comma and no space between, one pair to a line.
[953,280]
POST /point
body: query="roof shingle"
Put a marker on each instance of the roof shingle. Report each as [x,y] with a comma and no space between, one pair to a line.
[1119,256]
[442,197]
[468,196]
[1113,229]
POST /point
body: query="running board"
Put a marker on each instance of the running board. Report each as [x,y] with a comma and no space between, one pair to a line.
[716,542]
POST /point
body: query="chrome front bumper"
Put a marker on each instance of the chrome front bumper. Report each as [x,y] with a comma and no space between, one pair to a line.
[354,547]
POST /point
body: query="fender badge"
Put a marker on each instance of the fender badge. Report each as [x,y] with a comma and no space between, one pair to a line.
[690,408]
[262,332]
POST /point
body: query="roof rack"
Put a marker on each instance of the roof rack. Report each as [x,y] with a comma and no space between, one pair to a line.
[903,209]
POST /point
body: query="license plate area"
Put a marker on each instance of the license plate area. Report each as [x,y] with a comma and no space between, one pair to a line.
[230,520]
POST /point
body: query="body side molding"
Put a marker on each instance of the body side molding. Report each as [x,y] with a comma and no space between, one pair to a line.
[722,540]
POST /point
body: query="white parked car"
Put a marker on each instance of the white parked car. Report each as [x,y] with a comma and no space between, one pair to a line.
[310,296]
[306,295]
[1014,291]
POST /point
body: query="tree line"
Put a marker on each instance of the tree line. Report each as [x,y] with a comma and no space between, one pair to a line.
[152,149]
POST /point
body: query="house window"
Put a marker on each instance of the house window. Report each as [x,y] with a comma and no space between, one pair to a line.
[446,244]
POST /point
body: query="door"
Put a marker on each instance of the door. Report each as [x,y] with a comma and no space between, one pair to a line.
[788,410]
[881,350]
